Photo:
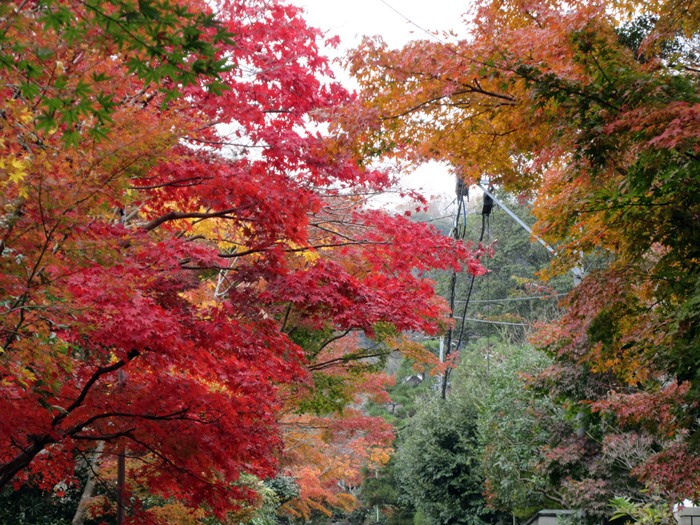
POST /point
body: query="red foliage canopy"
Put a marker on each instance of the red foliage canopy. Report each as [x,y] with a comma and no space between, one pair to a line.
[167,212]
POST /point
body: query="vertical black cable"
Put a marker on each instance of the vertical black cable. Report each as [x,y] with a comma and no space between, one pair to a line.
[458,233]
[485,214]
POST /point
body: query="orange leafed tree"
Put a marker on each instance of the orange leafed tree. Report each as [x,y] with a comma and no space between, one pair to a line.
[594,113]
[329,441]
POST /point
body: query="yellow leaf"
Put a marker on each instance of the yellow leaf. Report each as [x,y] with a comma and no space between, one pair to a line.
[16,169]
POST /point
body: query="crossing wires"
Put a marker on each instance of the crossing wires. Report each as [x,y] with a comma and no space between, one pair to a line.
[454,338]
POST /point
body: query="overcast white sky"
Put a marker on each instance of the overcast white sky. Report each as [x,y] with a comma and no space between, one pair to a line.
[350,19]
[397,21]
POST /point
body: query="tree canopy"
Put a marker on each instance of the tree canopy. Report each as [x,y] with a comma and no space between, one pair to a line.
[172,223]
[590,108]
[186,258]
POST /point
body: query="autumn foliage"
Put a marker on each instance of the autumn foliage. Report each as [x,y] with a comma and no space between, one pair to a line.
[174,233]
[591,108]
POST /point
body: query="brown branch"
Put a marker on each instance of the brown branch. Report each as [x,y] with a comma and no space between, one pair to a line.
[103,437]
[304,249]
[334,338]
[345,359]
[10,469]
[225,143]
[178,415]
[176,215]
[475,88]
[180,183]
[168,461]
[97,374]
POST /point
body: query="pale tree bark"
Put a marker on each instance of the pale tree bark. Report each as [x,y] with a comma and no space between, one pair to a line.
[90,484]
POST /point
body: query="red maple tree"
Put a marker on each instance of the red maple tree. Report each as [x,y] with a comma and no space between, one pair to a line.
[169,216]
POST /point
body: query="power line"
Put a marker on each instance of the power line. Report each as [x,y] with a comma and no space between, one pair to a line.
[509,299]
[432,35]
[489,322]
[448,46]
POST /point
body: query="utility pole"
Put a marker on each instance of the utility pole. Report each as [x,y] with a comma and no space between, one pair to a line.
[577,272]
[458,233]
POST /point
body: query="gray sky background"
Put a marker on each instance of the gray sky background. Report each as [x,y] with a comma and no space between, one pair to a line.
[352,19]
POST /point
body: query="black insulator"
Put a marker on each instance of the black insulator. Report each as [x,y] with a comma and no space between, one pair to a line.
[488,205]
[461,189]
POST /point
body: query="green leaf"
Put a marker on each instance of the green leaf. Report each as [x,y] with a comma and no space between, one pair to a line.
[149,10]
[71,138]
[29,90]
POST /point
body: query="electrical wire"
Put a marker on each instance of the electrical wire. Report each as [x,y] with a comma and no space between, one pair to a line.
[456,233]
[509,299]
[484,227]
[432,35]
